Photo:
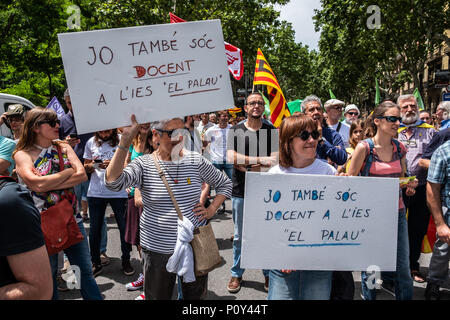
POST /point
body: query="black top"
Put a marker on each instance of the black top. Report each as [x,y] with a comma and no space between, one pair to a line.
[20,227]
[259,143]
[437,140]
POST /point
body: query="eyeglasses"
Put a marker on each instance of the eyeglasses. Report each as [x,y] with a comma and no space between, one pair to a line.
[51,123]
[391,119]
[304,135]
[353,113]
[254,103]
[169,132]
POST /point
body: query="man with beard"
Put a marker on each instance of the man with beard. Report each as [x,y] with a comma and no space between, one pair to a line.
[443,115]
[334,111]
[331,147]
[351,113]
[416,135]
[97,156]
[251,146]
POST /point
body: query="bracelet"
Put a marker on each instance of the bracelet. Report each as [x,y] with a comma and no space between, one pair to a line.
[123,148]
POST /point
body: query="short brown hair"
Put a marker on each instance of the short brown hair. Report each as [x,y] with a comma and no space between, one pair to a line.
[289,129]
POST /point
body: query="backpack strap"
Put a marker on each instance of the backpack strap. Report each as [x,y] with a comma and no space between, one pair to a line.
[369,158]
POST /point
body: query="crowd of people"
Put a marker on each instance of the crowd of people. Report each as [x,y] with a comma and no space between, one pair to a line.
[47,161]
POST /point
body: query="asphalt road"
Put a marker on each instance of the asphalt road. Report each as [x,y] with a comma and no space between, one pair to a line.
[112,281]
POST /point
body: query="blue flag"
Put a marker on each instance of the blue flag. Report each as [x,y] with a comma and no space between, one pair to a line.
[57,107]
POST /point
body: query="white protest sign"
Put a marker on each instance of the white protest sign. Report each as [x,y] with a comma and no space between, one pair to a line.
[155,72]
[317,222]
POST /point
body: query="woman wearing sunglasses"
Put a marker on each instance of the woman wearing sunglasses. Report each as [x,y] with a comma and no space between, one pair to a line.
[298,142]
[185,171]
[388,161]
[37,166]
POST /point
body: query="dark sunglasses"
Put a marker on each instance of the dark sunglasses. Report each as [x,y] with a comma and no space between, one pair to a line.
[51,123]
[353,113]
[304,135]
[391,119]
[169,132]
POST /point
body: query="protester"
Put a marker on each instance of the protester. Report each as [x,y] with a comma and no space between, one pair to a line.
[438,139]
[356,135]
[142,144]
[204,125]
[246,154]
[438,191]
[443,114]
[298,142]
[334,108]
[425,116]
[195,142]
[14,119]
[37,165]
[212,118]
[185,171]
[25,272]
[7,163]
[388,161]
[98,153]
[351,114]
[415,135]
[331,146]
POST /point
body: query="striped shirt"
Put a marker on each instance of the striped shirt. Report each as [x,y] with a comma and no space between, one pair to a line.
[158,224]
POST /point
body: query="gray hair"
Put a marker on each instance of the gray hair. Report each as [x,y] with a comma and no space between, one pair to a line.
[161,125]
[308,99]
[444,105]
[66,93]
[406,97]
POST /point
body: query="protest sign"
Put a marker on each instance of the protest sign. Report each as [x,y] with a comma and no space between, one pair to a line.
[155,72]
[57,107]
[315,222]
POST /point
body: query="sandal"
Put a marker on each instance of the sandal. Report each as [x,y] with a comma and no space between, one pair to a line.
[417,277]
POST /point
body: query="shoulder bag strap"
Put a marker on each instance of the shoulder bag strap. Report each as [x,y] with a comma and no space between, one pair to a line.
[61,167]
[339,126]
[163,178]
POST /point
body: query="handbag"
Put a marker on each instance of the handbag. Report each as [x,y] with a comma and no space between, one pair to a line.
[58,224]
[204,244]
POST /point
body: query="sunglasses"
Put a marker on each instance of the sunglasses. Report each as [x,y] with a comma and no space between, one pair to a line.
[391,119]
[304,135]
[51,123]
[353,113]
[169,132]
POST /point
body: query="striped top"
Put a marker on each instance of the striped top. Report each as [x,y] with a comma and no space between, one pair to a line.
[159,220]
[392,169]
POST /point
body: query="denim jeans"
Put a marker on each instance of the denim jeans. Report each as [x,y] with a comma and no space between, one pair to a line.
[97,208]
[299,285]
[78,255]
[228,168]
[104,240]
[438,269]
[402,276]
[81,192]
[238,210]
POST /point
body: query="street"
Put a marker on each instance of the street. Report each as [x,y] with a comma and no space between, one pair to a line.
[112,281]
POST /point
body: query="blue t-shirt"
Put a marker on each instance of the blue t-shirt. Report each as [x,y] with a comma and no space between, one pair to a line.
[7,147]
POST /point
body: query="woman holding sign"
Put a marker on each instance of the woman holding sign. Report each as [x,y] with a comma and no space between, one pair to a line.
[298,142]
[185,172]
[383,156]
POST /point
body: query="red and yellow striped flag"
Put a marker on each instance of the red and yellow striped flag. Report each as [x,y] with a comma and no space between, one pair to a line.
[265,76]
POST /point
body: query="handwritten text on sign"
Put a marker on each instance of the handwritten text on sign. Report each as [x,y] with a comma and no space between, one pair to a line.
[315,222]
[155,72]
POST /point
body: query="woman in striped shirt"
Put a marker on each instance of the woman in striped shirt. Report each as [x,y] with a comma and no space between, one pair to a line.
[185,172]
[388,161]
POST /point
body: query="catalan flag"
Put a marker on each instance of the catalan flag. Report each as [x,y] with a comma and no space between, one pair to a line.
[265,76]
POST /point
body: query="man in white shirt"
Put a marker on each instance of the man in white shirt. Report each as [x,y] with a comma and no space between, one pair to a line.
[334,108]
[204,124]
[215,144]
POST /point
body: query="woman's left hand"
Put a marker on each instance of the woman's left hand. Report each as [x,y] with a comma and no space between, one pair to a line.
[203,213]
[410,191]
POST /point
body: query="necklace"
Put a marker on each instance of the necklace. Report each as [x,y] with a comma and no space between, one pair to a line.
[167,171]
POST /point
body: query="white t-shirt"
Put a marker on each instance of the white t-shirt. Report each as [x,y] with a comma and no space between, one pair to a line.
[202,128]
[317,167]
[344,131]
[97,187]
[218,147]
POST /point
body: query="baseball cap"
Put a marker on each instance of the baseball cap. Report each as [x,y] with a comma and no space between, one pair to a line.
[351,107]
[334,102]
[15,109]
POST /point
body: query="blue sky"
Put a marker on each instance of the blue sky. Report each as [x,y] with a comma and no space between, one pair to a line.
[300,13]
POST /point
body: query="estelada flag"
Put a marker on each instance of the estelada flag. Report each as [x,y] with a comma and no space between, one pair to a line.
[265,76]
[234,54]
